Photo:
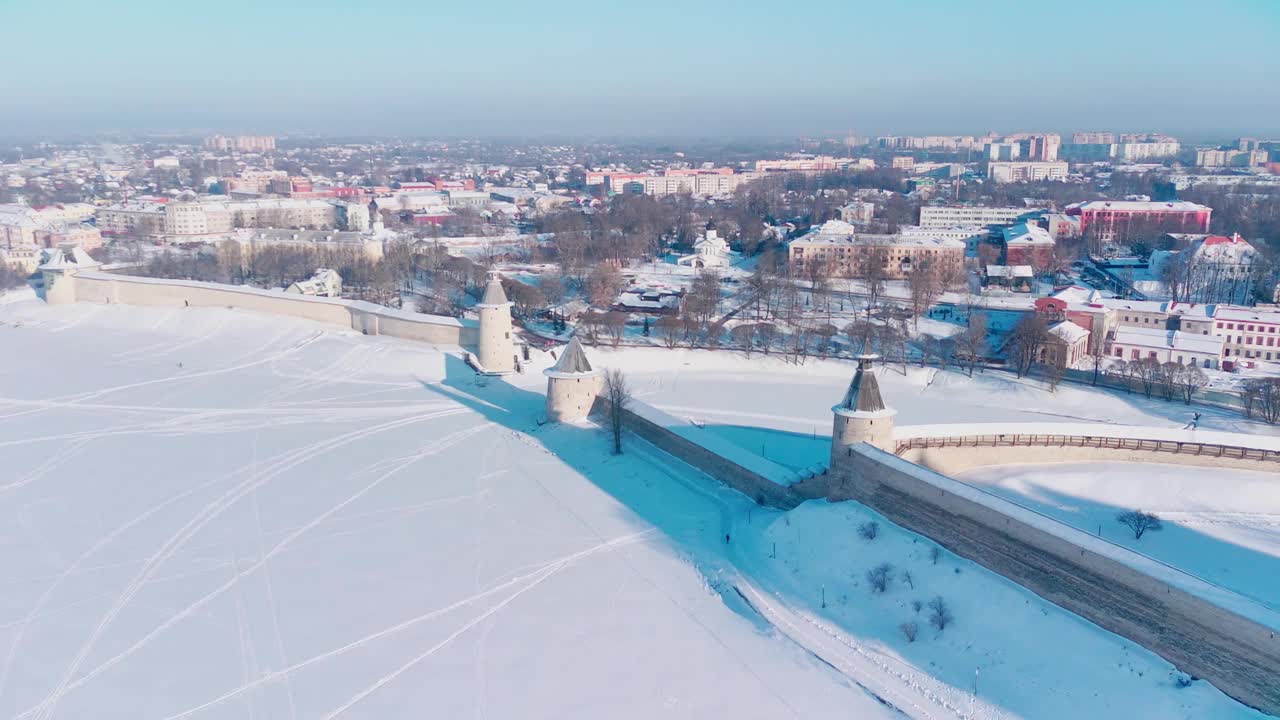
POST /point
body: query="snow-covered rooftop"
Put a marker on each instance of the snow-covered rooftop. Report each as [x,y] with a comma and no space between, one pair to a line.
[1068,332]
[1168,339]
[1026,234]
[1139,206]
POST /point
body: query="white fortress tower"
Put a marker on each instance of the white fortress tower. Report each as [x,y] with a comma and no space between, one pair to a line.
[497,352]
[60,264]
[862,415]
[572,385]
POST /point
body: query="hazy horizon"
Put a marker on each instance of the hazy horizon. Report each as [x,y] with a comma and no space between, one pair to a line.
[658,71]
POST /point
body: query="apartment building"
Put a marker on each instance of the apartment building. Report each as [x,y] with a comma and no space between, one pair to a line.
[837,245]
[949,216]
[1093,137]
[1138,151]
[253,240]
[700,183]
[1207,157]
[1026,171]
[241,143]
[137,218]
[820,163]
[23,225]
[928,142]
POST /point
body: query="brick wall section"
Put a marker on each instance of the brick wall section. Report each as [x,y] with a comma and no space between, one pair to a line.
[1240,656]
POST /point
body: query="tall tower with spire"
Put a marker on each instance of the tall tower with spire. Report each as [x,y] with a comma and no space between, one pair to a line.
[572,385]
[375,217]
[862,415]
[497,349]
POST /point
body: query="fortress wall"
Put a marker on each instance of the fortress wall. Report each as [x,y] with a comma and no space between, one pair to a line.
[952,460]
[736,468]
[1203,629]
[361,316]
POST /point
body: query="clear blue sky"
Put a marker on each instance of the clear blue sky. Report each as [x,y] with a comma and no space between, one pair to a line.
[659,68]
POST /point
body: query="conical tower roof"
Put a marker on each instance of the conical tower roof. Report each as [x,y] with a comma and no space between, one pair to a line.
[574,360]
[572,363]
[493,292]
[863,394]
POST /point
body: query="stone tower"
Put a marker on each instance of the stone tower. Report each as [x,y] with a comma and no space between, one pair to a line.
[55,284]
[862,415]
[497,351]
[572,385]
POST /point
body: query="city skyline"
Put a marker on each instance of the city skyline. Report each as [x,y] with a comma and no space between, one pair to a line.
[663,70]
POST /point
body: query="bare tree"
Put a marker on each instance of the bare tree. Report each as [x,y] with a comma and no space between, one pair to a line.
[869,530]
[603,285]
[860,333]
[925,284]
[935,553]
[875,273]
[618,396]
[1129,371]
[940,614]
[1053,375]
[615,323]
[971,344]
[744,336]
[669,329]
[910,630]
[1139,522]
[1167,379]
[1098,357]
[1149,373]
[1026,341]
[1262,396]
[879,577]
[767,333]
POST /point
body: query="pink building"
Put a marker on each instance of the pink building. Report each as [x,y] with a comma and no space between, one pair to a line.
[1113,218]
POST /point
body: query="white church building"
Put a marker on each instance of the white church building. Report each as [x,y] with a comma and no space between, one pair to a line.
[710,251]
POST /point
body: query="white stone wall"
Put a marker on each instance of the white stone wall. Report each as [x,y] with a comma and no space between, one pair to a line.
[1236,653]
[364,317]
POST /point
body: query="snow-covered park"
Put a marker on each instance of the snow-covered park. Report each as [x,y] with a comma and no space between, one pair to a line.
[212,514]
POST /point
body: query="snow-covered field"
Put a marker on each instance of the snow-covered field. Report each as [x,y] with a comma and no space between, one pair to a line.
[1221,524]
[215,514]
[212,514]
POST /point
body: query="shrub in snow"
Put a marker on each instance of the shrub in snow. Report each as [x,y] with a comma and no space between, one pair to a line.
[916,605]
[909,630]
[939,614]
[1139,522]
[879,576]
[869,530]
[910,581]
[1182,680]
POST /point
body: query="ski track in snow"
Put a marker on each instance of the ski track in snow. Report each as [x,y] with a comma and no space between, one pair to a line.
[46,707]
[533,578]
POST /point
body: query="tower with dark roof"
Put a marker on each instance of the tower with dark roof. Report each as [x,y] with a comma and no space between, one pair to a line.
[572,385]
[862,415]
[496,354]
